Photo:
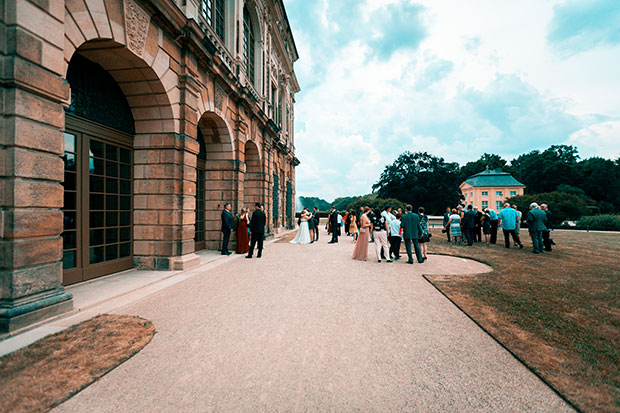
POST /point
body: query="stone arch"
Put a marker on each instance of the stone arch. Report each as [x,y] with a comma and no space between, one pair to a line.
[254,176]
[217,137]
[121,38]
[221,174]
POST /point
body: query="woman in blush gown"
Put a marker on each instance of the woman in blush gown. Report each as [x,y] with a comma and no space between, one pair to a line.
[361,246]
[303,234]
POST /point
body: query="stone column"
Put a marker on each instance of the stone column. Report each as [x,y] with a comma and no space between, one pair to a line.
[164,200]
[31,165]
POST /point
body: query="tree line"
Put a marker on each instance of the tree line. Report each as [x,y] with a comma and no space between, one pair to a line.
[576,186]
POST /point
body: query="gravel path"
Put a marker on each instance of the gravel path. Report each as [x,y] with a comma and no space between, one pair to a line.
[306,328]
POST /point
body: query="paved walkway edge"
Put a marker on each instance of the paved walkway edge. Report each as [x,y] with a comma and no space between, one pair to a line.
[513,354]
[33,333]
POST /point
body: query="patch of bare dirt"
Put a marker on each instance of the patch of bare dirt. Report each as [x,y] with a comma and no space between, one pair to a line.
[49,371]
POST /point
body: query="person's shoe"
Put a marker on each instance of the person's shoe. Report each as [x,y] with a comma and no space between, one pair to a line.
[248,256]
[389,261]
[409,262]
[521,245]
[534,252]
[397,259]
[330,242]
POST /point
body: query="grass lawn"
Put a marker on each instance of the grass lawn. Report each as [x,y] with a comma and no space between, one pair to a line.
[49,371]
[559,311]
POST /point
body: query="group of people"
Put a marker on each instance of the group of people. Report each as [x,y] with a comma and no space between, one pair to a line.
[468,224]
[250,230]
[308,227]
[388,229]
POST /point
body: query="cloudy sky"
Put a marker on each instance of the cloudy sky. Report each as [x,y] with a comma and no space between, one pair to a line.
[453,78]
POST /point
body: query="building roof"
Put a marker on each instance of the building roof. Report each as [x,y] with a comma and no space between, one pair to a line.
[495,177]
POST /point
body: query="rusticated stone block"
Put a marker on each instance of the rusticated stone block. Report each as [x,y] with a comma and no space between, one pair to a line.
[33,164]
[26,193]
[22,253]
[25,104]
[24,44]
[28,223]
[22,282]
[36,77]
[141,247]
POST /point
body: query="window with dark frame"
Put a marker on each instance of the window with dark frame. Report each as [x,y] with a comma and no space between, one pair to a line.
[248,44]
[213,12]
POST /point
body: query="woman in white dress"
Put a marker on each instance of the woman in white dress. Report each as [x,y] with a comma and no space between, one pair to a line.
[303,235]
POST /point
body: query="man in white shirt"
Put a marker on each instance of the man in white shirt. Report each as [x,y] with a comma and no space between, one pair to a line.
[394,237]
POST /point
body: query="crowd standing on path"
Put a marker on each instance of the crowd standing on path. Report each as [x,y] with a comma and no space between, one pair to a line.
[389,229]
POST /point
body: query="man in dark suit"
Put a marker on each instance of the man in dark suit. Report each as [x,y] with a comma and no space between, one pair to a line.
[228,224]
[536,225]
[333,220]
[317,220]
[469,224]
[478,226]
[257,231]
[410,223]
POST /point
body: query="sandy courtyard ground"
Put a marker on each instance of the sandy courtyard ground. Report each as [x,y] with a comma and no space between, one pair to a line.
[306,328]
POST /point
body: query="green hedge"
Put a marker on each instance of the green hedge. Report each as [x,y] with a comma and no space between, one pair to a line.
[600,222]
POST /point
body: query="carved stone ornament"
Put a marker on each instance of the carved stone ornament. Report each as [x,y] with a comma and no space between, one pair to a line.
[220,95]
[136,26]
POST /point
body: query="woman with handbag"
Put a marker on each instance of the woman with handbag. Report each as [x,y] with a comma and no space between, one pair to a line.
[426,235]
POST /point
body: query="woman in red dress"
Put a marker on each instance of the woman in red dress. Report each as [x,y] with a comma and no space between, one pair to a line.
[243,238]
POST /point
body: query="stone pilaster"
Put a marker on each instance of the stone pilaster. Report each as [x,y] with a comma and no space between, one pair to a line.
[31,165]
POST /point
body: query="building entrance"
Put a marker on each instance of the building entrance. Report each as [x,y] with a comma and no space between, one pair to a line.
[97,201]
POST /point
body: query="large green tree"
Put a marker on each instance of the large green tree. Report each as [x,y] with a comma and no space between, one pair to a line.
[421,179]
[563,206]
[545,171]
[486,161]
[343,202]
[374,202]
[311,202]
[599,178]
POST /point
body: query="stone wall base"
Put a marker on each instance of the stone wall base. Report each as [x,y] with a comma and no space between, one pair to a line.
[184,262]
[16,314]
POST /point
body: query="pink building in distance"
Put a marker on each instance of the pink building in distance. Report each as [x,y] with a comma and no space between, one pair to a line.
[490,189]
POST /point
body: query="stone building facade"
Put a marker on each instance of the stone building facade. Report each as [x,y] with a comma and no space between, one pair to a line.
[127,125]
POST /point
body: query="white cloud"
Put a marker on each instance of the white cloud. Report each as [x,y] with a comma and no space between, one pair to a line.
[484,79]
[602,139]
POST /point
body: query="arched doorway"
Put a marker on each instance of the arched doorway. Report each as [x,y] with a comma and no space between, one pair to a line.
[252,190]
[216,179]
[99,128]
[111,89]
